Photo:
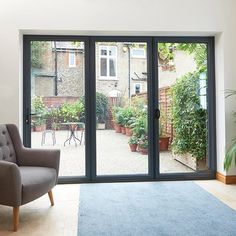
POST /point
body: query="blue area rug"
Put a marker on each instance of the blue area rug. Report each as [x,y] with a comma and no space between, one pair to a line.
[156,208]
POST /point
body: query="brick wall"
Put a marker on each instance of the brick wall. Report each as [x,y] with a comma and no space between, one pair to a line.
[111,102]
[53,101]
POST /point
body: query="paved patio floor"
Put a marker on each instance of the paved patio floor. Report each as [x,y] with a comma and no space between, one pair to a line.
[113,155]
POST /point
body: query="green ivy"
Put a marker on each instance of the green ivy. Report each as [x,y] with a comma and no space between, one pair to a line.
[189,118]
[38,48]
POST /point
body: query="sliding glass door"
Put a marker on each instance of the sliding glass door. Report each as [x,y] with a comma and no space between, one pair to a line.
[122,108]
[55,105]
[185,99]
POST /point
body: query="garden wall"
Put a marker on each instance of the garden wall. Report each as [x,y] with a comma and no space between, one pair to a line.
[55,101]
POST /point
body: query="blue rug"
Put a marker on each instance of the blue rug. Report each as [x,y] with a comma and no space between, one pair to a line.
[156,208]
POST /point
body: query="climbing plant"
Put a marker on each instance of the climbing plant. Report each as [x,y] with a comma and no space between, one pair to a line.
[189,117]
[37,50]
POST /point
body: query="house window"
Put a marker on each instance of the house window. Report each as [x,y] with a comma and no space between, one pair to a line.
[137,88]
[108,62]
[138,52]
[72,61]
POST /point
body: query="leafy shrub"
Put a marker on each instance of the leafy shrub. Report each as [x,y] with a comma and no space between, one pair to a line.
[101,107]
[71,112]
[133,140]
[39,109]
[189,117]
[140,126]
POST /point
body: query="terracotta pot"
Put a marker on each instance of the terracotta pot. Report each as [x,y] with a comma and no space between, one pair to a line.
[128,131]
[143,151]
[117,128]
[40,128]
[133,147]
[164,143]
[122,129]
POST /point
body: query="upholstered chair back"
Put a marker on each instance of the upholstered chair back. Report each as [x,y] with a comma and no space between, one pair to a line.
[7,152]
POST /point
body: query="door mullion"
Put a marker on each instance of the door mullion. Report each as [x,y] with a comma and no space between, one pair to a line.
[92,109]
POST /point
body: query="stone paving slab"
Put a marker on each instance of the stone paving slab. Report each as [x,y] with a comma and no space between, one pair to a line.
[113,155]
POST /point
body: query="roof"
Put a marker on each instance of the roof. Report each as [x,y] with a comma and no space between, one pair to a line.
[68,45]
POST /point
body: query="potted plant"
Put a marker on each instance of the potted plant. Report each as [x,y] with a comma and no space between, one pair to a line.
[143,145]
[139,127]
[101,110]
[163,138]
[121,119]
[129,126]
[128,114]
[115,112]
[133,143]
[39,109]
[231,150]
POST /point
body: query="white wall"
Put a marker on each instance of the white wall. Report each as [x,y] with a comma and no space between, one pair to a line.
[119,17]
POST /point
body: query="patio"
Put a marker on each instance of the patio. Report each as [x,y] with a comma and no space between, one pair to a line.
[113,155]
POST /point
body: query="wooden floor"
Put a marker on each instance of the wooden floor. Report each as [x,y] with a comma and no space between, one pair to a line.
[38,218]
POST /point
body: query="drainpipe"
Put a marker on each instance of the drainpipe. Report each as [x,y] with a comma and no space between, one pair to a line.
[55,67]
[129,82]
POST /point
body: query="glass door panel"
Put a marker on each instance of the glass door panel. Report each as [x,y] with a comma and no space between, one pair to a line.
[183,123]
[57,102]
[121,108]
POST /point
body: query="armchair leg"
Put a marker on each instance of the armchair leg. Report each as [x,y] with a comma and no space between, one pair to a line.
[15,218]
[51,197]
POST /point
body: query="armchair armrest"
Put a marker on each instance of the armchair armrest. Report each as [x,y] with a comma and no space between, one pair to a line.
[10,184]
[39,157]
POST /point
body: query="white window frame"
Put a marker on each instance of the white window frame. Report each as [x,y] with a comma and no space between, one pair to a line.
[133,55]
[107,57]
[135,87]
[72,63]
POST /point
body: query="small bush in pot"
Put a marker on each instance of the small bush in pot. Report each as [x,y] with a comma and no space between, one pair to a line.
[39,110]
[133,143]
[143,145]
[115,116]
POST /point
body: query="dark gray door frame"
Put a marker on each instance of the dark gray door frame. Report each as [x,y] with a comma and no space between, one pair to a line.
[90,102]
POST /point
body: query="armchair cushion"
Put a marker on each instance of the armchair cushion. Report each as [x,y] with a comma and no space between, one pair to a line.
[36,181]
[7,152]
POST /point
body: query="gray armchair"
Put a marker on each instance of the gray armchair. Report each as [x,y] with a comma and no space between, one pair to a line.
[25,174]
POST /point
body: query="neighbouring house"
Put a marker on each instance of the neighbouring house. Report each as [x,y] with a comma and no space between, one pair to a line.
[121,67]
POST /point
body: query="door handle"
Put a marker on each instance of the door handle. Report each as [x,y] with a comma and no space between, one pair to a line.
[157,113]
[28,116]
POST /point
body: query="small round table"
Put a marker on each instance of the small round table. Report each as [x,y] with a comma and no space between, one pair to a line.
[73,127]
